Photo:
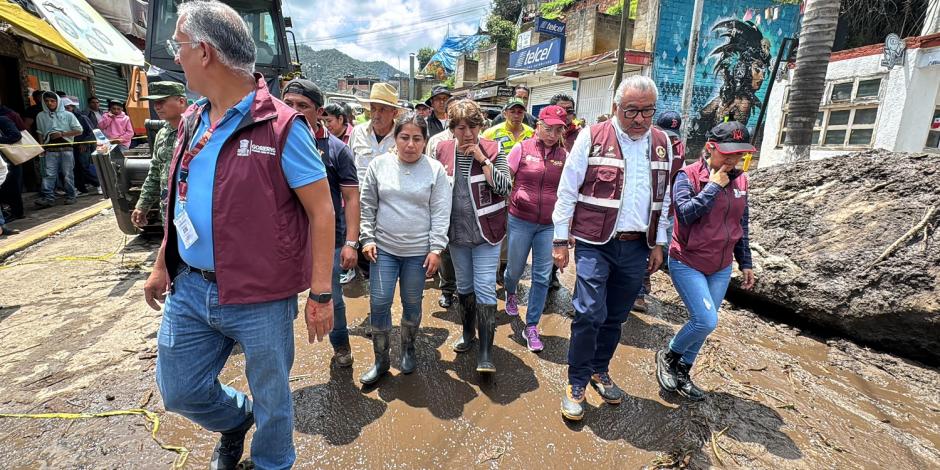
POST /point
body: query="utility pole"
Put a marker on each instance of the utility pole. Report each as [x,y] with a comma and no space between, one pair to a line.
[621,49]
[690,67]
[411,76]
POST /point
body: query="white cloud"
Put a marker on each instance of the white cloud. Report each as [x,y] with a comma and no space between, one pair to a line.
[404,26]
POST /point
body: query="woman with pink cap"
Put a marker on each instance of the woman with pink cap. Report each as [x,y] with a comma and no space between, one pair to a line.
[536,165]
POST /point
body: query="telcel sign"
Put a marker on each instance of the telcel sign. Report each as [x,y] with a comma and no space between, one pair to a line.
[535,57]
[552,27]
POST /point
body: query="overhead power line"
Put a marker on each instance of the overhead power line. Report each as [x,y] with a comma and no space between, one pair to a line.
[412,26]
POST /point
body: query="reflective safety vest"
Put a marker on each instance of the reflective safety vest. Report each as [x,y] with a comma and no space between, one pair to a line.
[490,207]
[599,199]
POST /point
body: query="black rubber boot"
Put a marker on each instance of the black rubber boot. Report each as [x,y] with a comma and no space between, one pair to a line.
[684,384]
[486,324]
[381,346]
[228,452]
[408,360]
[467,306]
[666,369]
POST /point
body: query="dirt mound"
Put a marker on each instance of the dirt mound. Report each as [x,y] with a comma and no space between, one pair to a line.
[832,246]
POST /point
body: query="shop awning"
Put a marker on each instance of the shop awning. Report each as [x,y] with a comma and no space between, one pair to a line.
[33,29]
[78,22]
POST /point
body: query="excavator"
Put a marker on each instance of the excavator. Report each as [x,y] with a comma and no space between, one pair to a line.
[122,173]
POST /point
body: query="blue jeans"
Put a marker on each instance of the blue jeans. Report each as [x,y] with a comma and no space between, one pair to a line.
[525,236]
[609,278]
[475,267]
[55,163]
[196,337]
[339,335]
[702,296]
[409,274]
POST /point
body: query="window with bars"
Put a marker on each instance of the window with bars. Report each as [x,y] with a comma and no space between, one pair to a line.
[847,114]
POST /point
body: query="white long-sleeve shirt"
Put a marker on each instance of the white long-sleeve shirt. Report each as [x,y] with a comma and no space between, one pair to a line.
[636,196]
[365,147]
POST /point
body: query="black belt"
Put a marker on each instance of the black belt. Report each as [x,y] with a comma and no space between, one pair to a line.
[207,275]
[629,236]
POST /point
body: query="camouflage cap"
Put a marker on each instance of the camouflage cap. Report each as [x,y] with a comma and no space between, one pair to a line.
[163,90]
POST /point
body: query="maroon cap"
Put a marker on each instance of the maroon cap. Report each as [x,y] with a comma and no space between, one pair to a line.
[553,115]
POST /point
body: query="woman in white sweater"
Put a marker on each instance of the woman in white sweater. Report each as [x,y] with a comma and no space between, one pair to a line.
[405,203]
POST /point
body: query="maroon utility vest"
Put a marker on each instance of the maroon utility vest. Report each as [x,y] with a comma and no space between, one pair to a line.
[489,206]
[535,187]
[259,227]
[707,245]
[595,214]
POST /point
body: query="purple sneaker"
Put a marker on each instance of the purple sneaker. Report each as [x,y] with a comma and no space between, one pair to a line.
[532,339]
[512,308]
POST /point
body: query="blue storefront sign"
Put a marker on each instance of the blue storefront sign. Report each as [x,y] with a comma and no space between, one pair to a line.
[540,55]
[552,27]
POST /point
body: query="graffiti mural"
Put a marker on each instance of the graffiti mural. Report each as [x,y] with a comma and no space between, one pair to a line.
[738,42]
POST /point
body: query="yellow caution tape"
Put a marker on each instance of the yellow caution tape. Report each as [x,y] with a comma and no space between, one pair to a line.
[66,144]
[104,257]
[151,417]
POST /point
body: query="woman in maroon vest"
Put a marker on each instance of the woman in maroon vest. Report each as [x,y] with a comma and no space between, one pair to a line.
[536,166]
[711,225]
[477,223]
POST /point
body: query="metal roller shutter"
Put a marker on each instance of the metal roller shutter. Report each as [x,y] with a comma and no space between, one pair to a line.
[540,95]
[595,97]
[110,82]
[70,85]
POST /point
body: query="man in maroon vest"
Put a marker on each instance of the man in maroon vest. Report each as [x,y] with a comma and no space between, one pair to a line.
[246,193]
[610,198]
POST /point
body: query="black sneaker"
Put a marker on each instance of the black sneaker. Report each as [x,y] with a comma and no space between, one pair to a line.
[342,356]
[228,452]
[685,387]
[606,388]
[666,373]
[43,203]
[446,300]
[572,404]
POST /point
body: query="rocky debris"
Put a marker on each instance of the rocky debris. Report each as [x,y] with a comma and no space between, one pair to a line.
[849,245]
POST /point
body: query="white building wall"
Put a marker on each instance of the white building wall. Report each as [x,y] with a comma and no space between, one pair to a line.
[906,105]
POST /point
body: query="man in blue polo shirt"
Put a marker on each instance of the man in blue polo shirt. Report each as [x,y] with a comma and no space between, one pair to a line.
[251,226]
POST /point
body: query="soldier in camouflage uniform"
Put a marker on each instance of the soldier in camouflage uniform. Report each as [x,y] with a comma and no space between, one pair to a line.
[169,102]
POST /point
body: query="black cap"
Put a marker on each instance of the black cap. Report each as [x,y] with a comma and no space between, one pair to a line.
[306,88]
[670,122]
[438,90]
[731,137]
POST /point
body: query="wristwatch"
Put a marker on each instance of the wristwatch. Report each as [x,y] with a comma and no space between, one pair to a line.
[437,252]
[354,244]
[321,298]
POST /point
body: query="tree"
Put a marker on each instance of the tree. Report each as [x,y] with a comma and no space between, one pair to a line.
[809,77]
[507,9]
[424,56]
[501,31]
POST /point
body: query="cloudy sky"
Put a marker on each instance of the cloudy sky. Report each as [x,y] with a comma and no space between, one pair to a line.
[382,29]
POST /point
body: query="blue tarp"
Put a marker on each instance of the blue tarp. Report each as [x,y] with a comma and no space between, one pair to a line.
[444,62]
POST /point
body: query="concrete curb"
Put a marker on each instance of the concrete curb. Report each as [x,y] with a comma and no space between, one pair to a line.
[41,232]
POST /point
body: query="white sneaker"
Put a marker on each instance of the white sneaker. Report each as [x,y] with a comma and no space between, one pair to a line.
[347,276]
[100,191]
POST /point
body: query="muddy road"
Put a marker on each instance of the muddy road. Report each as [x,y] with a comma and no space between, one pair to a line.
[77,337]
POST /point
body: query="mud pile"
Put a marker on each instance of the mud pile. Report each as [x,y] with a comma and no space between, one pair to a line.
[829,246]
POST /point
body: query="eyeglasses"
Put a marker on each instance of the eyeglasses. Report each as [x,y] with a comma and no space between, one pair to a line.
[173,46]
[569,110]
[631,113]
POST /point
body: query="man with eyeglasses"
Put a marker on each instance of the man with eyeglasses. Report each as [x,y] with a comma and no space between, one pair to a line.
[251,227]
[612,192]
[573,126]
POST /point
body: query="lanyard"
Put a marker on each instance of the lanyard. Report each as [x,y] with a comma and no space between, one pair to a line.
[188,157]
